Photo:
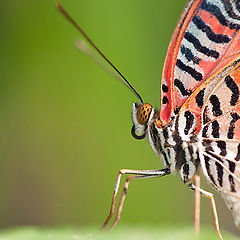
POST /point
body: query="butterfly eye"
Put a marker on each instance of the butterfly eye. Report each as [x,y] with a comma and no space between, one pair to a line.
[143,113]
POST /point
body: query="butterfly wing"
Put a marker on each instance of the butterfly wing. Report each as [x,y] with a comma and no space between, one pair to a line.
[221,139]
[215,120]
[205,39]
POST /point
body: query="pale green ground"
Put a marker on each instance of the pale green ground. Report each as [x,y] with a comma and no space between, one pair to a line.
[70,233]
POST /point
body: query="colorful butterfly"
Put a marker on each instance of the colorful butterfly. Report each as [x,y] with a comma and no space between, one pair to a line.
[198,125]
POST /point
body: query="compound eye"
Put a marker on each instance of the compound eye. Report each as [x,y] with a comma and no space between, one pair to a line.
[143,113]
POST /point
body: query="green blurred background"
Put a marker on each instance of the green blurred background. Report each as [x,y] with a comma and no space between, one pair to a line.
[65,123]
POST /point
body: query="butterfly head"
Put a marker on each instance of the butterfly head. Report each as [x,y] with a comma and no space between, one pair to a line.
[141,115]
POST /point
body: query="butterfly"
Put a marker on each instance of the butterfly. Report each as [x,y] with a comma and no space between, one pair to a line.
[197,128]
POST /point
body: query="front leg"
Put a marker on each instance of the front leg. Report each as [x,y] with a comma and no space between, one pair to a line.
[137,174]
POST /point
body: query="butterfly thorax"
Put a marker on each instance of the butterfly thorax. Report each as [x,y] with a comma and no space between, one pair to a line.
[176,154]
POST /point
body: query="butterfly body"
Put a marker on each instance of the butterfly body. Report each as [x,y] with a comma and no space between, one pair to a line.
[200,92]
[198,125]
[204,134]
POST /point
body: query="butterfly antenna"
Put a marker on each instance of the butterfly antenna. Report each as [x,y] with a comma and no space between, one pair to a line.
[70,19]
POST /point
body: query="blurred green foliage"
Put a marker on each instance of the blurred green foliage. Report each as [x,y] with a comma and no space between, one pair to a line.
[65,123]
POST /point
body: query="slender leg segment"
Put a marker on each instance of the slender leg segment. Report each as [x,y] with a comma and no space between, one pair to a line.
[123,196]
[137,174]
[213,206]
[196,180]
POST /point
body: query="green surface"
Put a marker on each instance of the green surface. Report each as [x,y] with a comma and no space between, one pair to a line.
[65,123]
[184,233]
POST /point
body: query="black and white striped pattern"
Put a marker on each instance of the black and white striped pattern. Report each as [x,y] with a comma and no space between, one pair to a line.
[177,154]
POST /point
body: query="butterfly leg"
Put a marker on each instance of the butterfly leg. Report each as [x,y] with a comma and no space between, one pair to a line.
[136,174]
[213,206]
[196,180]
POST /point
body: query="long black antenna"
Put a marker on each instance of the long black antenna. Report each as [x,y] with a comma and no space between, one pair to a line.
[70,19]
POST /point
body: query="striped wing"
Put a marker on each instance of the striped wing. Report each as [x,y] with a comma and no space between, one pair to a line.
[212,112]
[205,39]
